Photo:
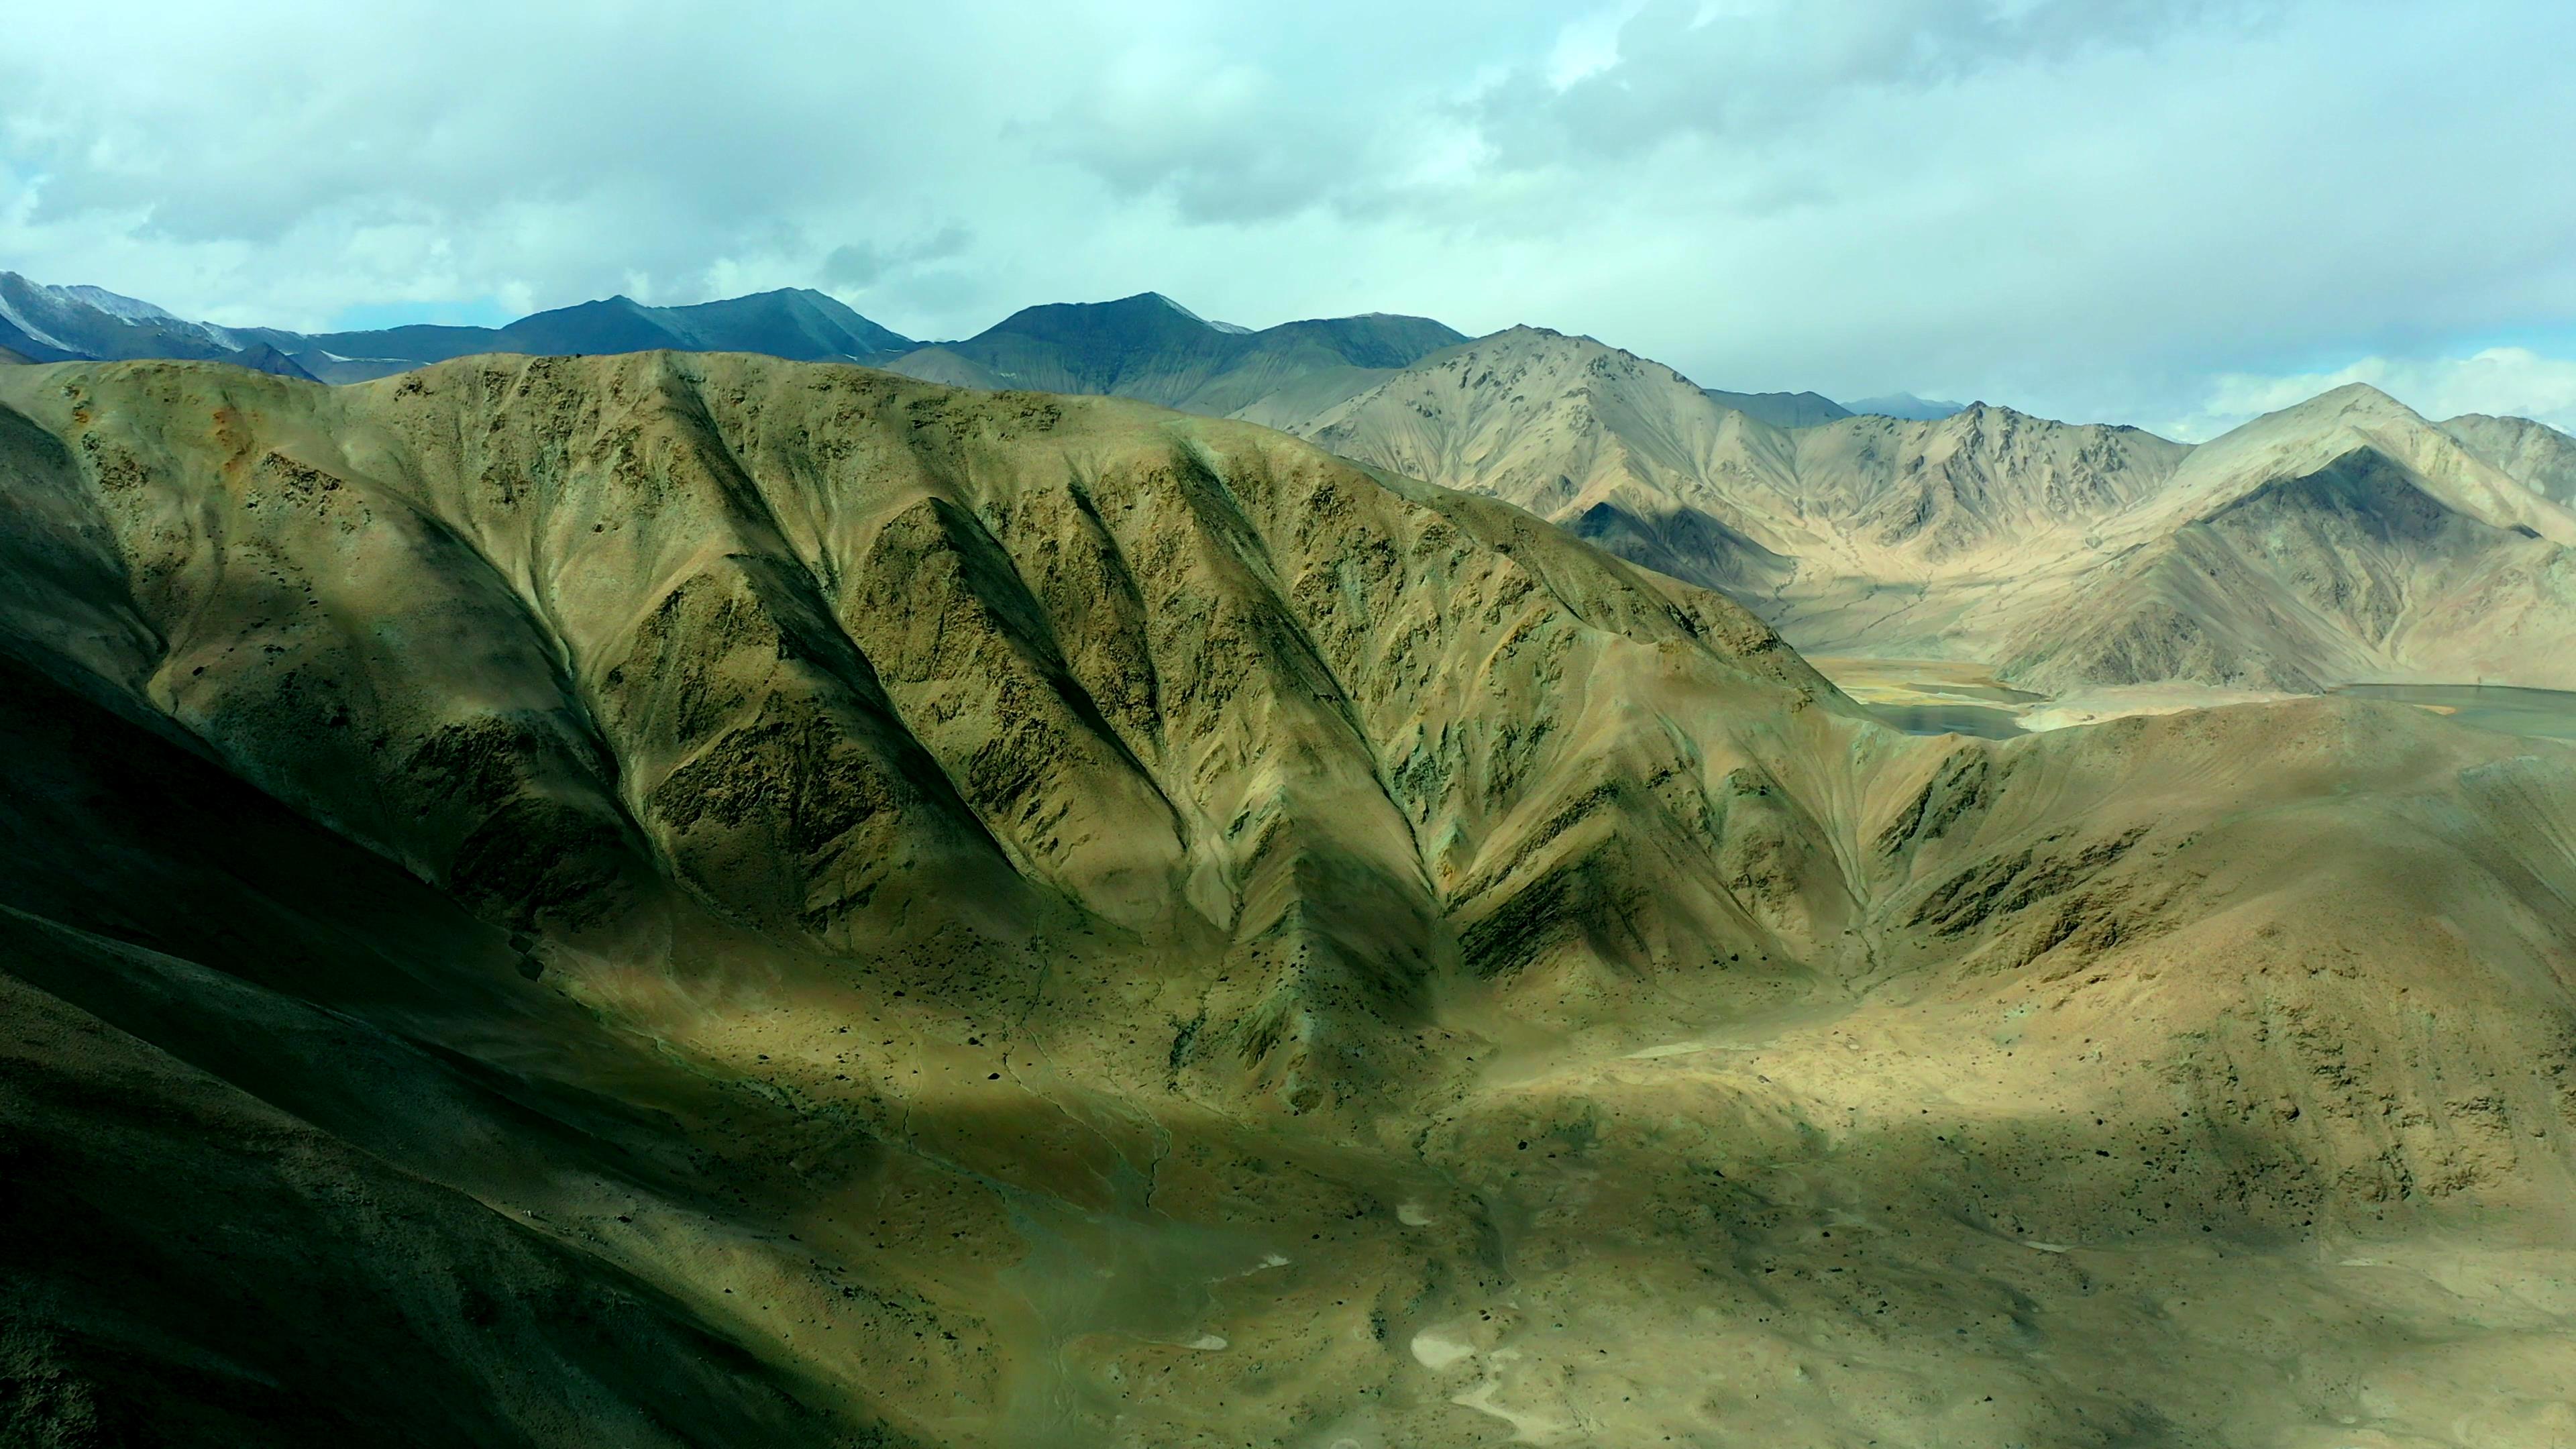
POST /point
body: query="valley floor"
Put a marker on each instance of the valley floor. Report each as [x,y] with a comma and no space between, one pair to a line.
[1949,696]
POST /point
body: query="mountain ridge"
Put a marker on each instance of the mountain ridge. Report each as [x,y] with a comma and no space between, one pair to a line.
[1782,409]
[1148,346]
[1994,537]
[747,901]
[805,325]
[2532,453]
[1961,534]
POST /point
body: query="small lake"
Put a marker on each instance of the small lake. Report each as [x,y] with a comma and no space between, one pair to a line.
[1984,721]
[2547,714]
[1929,696]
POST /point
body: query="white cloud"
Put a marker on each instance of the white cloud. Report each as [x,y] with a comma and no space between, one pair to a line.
[2507,381]
[2088,209]
[1588,45]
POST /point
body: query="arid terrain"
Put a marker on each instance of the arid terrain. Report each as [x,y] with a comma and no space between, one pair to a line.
[697,899]
[2343,540]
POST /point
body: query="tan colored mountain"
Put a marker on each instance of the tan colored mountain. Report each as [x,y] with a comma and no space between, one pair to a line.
[2345,539]
[690,899]
[1617,450]
[2533,454]
[2342,539]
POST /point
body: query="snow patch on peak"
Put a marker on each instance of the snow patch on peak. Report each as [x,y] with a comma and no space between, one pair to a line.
[23,323]
[131,309]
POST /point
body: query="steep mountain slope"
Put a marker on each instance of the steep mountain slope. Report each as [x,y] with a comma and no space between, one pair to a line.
[262,357]
[2345,538]
[1149,346]
[748,902]
[1616,449]
[9,358]
[59,324]
[2533,454]
[1628,453]
[1918,496]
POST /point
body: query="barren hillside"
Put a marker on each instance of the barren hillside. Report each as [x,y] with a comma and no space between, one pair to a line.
[696,899]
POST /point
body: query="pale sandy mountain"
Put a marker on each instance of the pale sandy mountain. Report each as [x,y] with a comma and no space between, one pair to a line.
[1616,449]
[1812,527]
[1901,498]
[2346,539]
[2533,454]
[701,900]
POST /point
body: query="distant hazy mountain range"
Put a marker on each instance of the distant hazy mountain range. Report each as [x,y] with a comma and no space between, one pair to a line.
[1146,346]
[2346,539]
[61,324]
[1151,347]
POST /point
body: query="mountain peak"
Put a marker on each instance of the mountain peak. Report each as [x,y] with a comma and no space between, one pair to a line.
[1140,302]
[2354,396]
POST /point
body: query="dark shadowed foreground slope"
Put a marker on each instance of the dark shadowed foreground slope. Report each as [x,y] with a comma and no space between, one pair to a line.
[698,899]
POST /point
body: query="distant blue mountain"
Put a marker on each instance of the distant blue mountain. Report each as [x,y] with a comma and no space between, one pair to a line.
[1149,346]
[803,325]
[1907,405]
[1781,409]
[57,324]
[1146,346]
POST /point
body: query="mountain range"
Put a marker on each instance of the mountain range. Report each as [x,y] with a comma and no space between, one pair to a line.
[681,899]
[2344,540]
[2340,540]
[1146,346]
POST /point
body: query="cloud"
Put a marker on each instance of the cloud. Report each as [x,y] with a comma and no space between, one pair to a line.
[1220,136]
[1753,67]
[2508,381]
[2090,208]
[858,266]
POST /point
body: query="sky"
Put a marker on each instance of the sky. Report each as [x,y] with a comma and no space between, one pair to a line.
[2174,213]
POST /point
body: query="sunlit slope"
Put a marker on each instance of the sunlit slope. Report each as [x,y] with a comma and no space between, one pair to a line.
[2344,539]
[1614,448]
[852,911]
[562,637]
[2533,454]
